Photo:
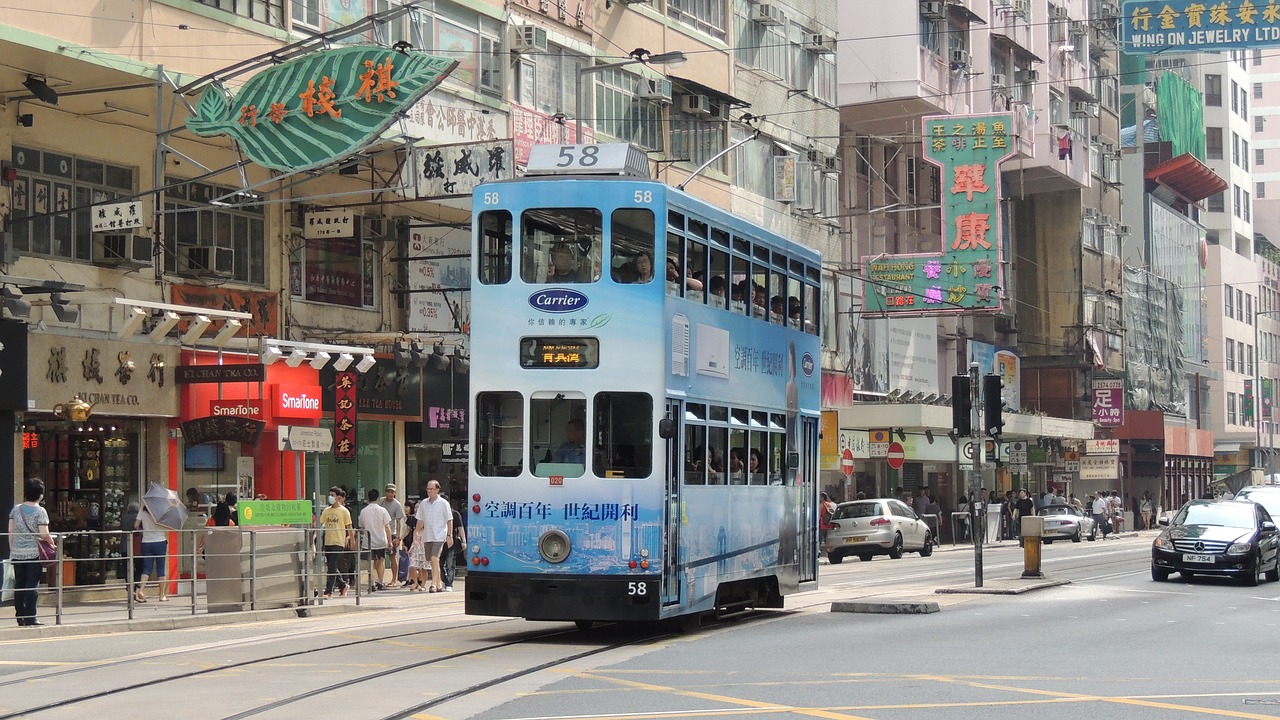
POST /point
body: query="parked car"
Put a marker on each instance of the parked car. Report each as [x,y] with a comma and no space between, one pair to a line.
[1064,521]
[1232,538]
[1268,496]
[884,526]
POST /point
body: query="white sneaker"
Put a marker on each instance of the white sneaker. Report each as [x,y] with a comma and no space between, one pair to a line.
[448,588]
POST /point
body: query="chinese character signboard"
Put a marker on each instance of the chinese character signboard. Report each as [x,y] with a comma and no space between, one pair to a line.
[326,105]
[328,224]
[1108,402]
[1267,390]
[115,217]
[264,306]
[965,276]
[1147,26]
[453,170]
[530,127]
[439,258]
[344,417]
[1246,403]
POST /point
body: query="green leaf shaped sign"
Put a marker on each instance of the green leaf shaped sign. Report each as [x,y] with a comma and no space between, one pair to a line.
[314,109]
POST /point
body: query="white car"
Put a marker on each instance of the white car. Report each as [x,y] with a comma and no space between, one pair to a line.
[1064,521]
[883,526]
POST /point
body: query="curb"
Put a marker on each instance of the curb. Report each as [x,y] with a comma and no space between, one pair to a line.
[1006,589]
[888,607]
[178,623]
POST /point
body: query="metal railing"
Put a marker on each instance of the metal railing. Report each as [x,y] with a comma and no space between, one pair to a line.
[95,574]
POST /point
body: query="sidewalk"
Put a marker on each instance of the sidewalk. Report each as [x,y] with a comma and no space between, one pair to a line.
[108,612]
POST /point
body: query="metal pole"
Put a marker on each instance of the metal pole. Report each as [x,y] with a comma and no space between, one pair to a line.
[253,570]
[128,572]
[60,540]
[195,570]
[975,434]
[1257,390]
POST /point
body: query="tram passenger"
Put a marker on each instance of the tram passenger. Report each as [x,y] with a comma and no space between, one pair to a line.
[674,273]
[739,295]
[565,267]
[716,467]
[737,469]
[717,289]
[777,309]
[573,449]
[755,466]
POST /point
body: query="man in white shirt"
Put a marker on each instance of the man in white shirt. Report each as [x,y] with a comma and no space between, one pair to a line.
[434,531]
[375,521]
[1101,504]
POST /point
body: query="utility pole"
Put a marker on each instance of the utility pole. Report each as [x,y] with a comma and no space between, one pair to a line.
[975,435]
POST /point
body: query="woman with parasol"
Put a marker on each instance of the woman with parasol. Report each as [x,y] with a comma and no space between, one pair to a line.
[161,511]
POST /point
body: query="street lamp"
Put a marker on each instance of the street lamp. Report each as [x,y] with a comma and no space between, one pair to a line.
[672,59]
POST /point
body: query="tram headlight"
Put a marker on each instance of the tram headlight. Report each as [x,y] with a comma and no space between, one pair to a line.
[554,546]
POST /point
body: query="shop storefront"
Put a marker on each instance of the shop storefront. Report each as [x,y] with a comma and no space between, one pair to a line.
[93,431]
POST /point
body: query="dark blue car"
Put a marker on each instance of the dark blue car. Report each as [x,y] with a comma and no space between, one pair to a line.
[1233,538]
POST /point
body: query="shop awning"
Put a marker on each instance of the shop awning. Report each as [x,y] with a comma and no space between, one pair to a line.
[1189,178]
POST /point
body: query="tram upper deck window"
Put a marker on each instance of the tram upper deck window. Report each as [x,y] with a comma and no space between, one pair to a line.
[623,435]
[557,434]
[495,247]
[632,245]
[560,245]
[499,434]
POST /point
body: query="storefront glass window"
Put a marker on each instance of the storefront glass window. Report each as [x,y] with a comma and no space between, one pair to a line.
[373,467]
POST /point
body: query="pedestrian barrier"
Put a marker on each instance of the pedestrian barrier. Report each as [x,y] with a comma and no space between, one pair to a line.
[959,520]
[215,569]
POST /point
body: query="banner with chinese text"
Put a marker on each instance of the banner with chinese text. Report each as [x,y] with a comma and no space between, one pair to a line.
[1108,402]
[1198,26]
[344,417]
[966,275]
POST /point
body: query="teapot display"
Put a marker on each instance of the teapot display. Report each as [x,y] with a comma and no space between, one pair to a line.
[75,410]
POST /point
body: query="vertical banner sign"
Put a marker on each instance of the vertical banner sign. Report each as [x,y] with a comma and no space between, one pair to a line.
[1267,390]
[344,417]
[1246,402]
[1108,402]
[966,274]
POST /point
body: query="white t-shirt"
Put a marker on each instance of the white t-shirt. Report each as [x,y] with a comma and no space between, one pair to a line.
[374,520]
[433,519]
[1100,506]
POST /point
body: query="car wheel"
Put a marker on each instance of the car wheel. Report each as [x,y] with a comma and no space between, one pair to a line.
[865,557]
[895,552]
[1252,579]
[1159,574]
[835,559]
[927,549]
[1076,538]
[1274,573]
[1093,534]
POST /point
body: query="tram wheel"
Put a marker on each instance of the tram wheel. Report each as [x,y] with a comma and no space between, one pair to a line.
[583,625]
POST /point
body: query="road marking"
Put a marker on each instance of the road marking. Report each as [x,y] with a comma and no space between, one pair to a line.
[740,702]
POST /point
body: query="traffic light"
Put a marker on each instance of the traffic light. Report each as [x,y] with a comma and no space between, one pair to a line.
[961,406]
[992,405]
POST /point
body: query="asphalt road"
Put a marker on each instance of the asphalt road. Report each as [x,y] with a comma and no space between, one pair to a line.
[1111,644]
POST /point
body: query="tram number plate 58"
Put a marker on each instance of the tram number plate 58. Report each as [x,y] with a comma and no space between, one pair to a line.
[637,588]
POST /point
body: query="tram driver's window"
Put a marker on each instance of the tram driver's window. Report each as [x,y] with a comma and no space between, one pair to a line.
[495,247]
[622,442]
[499,434]
[560,245]
[631,241]
[558,440]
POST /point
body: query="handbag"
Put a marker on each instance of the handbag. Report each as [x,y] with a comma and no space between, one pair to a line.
[46,551]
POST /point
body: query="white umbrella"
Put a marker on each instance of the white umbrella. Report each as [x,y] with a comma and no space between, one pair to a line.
[165,506]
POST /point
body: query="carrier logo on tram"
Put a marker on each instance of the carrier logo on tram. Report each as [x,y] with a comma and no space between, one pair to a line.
[806,365]
[558,300]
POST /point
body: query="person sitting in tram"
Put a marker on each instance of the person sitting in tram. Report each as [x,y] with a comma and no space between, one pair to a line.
[564,265]
[737,469]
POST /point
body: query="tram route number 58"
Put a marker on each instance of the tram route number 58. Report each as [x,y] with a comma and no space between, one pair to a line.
[637,588]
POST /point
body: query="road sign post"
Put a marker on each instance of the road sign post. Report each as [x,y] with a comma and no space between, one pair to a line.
[979,504]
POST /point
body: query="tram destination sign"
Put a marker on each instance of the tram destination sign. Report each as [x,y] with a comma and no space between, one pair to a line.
[966,275]
[559,353]
[1198,26]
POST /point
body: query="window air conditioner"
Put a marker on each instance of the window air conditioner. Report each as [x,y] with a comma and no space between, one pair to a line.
[820,43]
[1090,213]
[1060,13]
[960,58]
[528,38]
[1021,7]
[998,80]
[202,260]
[933,10]
[1029,76]
[695,105]
[122,251]
[768,14]
[658,89]
[1080,108]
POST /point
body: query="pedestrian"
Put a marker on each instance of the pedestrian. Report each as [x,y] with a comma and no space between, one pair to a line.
[435,528]
[448,555]
[1075,503]
[1117,512]
[396,511]
[962,519]
[220,517]
[1048,498]
[28,523]
[1006,515]
[1147,510]
[416,560]
[1101,518]
[375,522]
[231,500]
[826,509]
[339,540]
[128,521]
[155,554]
[1024,506]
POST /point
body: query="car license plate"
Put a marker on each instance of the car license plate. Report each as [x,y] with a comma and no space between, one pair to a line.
[858,539]
[1198,559]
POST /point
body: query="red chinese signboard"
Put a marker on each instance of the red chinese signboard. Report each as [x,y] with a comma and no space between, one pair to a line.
[344,417]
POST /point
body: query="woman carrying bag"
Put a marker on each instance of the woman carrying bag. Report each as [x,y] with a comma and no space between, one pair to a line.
[28,529]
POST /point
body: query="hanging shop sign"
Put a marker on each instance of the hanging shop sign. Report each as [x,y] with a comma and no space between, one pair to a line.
[1108,402]
[319,224]
[385,392]
[320,107]
[1198,26]
[966,275]
[222,428]
[114,217]
[344,416]
[439,258]
[117,377]
[295,401]
[275,512]
[456,170]
[263,306]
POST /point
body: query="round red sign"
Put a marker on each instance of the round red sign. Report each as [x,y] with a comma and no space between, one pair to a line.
[896,456]
[846,462]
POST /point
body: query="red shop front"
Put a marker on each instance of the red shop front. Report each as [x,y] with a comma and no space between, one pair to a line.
[286,396]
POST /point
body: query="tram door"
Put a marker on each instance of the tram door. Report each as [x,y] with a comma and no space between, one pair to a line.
[809,499]
[671,541]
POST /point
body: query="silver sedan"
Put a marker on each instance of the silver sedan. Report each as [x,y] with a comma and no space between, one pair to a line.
[876,527]
[1064,521]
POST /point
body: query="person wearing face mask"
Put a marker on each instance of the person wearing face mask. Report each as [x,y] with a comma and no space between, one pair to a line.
[339,539]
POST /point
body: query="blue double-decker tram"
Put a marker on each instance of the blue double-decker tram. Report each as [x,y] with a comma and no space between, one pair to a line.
[645,399]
